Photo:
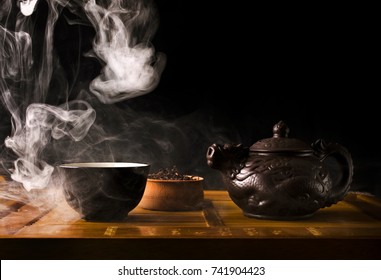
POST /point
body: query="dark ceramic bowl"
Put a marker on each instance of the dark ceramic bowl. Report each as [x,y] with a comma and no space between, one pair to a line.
[104,191]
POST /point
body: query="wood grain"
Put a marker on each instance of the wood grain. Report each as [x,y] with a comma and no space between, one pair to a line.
[350,224]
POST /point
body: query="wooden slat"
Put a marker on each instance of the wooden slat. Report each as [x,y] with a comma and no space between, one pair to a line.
[341,214]
[24,216]
[357,216]
[350,229]
[9,206]
[212,218]
[367,204]
[65,222]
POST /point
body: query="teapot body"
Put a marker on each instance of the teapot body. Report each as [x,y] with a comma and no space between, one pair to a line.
[280,186]
[288,181]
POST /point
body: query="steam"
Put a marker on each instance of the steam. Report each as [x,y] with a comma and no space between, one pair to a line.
[27,6]
[42,123]
[35,89]
[130,68]
[59,112]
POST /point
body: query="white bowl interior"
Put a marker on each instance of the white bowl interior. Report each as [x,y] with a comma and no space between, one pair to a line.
[103,165]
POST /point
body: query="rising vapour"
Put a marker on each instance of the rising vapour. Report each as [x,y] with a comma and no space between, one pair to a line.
[43,122]
[131,68]
[42,112]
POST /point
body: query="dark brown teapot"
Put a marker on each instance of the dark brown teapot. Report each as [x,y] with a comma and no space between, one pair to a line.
[281,177]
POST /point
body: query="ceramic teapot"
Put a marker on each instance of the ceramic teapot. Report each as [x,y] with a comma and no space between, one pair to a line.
[282,177]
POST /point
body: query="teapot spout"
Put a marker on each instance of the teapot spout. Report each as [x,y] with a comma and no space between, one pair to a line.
[227,158]
[212,156]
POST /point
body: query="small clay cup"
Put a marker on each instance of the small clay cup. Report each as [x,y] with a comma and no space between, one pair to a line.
[174,195]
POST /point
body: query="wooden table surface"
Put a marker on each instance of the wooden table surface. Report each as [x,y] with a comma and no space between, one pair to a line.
[350,229]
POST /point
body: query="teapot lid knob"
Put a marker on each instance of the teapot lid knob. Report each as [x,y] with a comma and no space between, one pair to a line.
[280,142]
[280,130]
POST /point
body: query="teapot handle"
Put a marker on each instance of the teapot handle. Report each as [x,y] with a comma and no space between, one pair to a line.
[324,150]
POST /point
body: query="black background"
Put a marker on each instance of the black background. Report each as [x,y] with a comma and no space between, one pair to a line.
[240,68]
[250,66]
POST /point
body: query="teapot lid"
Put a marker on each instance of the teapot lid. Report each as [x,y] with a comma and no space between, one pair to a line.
[280,142]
